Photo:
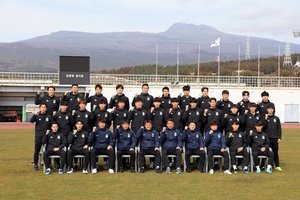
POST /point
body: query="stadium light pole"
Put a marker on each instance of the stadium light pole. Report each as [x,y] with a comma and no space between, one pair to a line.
[296,33]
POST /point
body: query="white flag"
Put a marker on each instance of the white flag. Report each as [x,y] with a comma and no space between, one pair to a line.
[216,43]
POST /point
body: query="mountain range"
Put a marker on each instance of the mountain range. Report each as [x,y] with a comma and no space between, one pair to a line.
[123,49]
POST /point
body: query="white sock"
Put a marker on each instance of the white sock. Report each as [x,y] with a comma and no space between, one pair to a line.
[257,167]
[234,167]
[269,167]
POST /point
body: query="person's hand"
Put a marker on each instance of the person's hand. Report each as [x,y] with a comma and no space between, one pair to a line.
[56,149]
[113,96]
[164,129]
[266,116]
[118,126]
[94,128]
[258,102]
[241,103]
[114,108]
[205,111]
[131,149]
[170,110]
[38,112]
[211,131]
[142,127]
[132,109]
[156,149]
[263,149]
[278,141]
[186,107]
[222,150]
[251,132]
[54,112]
[85,146]
[109,147]
[94,107]
[38,92]
[178,147]
[225,115]
[66,93]
[240,149]
[186,127]
[230,135]
[74,132]
[151,110]
[73,112]
[47,132]
[201,149]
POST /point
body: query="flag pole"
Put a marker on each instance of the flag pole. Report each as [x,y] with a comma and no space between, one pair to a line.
[239,66]
[198,71]
[156,64]
[219,58]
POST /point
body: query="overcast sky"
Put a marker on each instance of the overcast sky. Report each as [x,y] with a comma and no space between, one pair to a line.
[21,19]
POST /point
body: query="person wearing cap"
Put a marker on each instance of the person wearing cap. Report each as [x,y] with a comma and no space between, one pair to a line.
[64,119]
[113,103]
[273,129]
[84,115]
[215,144]
[100,111]
[193,113]
[260,143]
[176,114]
[263,104]
[138,115]
[145,96]
[149,145]
[101,140]
[236,141]
[171,143]
[184,100]
[119,114]
[72,98]
[50,99]
[165,98]
[233,116]
[243,105]
[212,114]
[95,99]
[126,143]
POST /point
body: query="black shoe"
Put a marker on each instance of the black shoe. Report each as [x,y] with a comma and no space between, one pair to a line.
[142,170]
[32,163]
[132,170]
[188,170]
[201,171]
[121,169]
[75,168]
[35,168]
[158,170]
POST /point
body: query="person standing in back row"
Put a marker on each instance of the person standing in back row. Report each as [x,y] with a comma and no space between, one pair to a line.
[72,98]
[49,99]
[147,98]
[263,104]
[113,103]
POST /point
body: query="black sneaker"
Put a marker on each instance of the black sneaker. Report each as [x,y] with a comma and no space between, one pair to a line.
[32,163]
[132,170]
[201,171]
[142,170]
[35,168]
[188,170]
[75,168]
[158,170]
[121,169]
[235,171]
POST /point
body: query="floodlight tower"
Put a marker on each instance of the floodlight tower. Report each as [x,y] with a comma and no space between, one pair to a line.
[287,61]
[296,33]
[247,49]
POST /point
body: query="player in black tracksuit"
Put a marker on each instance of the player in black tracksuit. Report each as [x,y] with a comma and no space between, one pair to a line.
[95,99]
[149,145]
[78,141]
[273,129]
[243,106]
[250,120]
[203,104]
[72,98]
[212,114]
[113,103]
[166,99]
[224,104]
[263,105]
[236,141]
[185,99]
[64,119]
[138,115]
[194,145]
[260,144]
[42,125]
[55,144]
[83,115]
[50,100]
[119,114]
[193,113]
[176,114]
[233,116]
[157,115]
[101,113]
[147,98]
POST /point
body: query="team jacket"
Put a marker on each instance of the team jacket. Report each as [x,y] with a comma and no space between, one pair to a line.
[259,140]
[101,138]
[215,140]
[54,140]
[193,115]
[95,99]
[178,116]
[114,101]
[262,107]
[237,140]
[192,139]
[72,100]
[137,118]
[125,139]
[213,114]
[42,124]
[158,119]
[51,102]
[224,106]
[147,100]
[148,138]
[64,121]
[118,116]
[98,114]
[78,140]
[243,107]
[203,102]
[230,118]
[250,120]
[184,101]
[166,102]
[273,127]
[85,117]
[170,139]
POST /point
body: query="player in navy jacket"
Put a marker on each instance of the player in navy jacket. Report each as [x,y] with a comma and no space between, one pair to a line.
[194,145]
[149,145]
[171,145]
[126,143]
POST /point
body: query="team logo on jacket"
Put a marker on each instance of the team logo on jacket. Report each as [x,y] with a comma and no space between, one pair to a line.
[105,115]
[217,113]
[124,115]
[257,117]
[128,135]
[169,101]
[47,119]
[178,113]
[240,135]
[148,98]
[228,105]
[86,116]
[197,113]
[274,120]
[106,135]
[263,137]
[67,117]
[47,100]
[197,136]
[58,137]
[152,135]
[78,99]
[219,136]
[175,134]
[160,113]
[54,101]
[82,135]
[143,113]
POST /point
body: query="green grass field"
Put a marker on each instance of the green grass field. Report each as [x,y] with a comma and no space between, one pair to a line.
[18,181]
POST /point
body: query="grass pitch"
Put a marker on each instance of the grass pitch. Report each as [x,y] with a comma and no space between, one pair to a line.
[18,181]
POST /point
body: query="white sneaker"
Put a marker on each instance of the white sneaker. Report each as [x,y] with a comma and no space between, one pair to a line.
[84,171]
[111,171]
[211,171]
[94,171]
[227,172]
[70,171]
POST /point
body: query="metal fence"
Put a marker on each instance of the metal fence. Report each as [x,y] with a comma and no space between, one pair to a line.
[19,78]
